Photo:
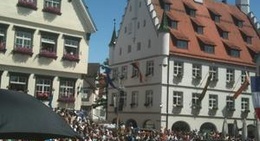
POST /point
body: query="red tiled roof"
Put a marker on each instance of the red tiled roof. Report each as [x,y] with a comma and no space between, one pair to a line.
[197,21]
[205,40]
[227,12]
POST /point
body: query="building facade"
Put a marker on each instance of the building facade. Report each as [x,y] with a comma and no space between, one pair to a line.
[44,49]
[178,63]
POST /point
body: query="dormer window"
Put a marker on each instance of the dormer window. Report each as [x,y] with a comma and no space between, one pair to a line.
[190,9]
[182,44]
[237,21]
[167,6]
[215,16]
[174,24]
[197,25]
[206,45]
[247,37]
[232,50]
[223,31]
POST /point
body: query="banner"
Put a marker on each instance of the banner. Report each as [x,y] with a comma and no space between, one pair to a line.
[255,88]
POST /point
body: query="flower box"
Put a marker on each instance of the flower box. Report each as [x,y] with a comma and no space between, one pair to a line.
[66,99]
[70,57]
[2,47]
[43,96]
[48,54]
[23,50]
[27,4]
[53,10]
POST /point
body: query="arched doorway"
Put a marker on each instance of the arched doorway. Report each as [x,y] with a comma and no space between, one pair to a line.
[207,127]
[181,126]
[130,123]
[148,124]
[251,131]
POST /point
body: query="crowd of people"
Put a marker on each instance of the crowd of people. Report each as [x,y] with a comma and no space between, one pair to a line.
[93,131]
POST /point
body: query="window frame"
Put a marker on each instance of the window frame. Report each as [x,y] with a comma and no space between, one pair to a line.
[149,68]
[178,68]
[177,99]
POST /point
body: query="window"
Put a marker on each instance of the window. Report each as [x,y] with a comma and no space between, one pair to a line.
[199,29]
[122,100]
[18,82]
[66,90]
[192,12]
[52,6]
[214,73]
[144,23]
[149,68]
[124,72]
[134,100]
[195,101]
[182,44]
[125,29]
[129,48]
[149,43]
[213,102]
[167,6]
[209,49]
[230,103]
[217,18]
[43,88]
[234,53]
[138,46]
[120,51]
[115,74]
[245,105]
[177,99]
[113,101]
[224,34]
[230,76]
[71,49]
[174,24]
[23,42]
[130,27]
[196,71]
[239,23]
[148,98]
[138,25]
[243,76]
[135,72]
[48,45]
[178,69]
[3,30]
[31,4]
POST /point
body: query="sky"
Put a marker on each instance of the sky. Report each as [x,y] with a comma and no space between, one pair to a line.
[103,13]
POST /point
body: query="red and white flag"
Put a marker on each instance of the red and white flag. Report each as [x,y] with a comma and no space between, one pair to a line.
[242,87]
[255,88]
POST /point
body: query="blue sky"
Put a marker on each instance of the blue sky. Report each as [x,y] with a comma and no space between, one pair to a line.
[104,11]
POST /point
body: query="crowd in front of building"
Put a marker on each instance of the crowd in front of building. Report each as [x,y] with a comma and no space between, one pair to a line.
[95,131]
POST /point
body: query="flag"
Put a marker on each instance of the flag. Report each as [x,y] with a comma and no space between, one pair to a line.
[108,79]
[136,66]
[255,88]
[242,87]
[203,93]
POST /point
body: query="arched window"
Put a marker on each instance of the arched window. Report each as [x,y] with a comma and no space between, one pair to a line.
[180,126]
[207,127]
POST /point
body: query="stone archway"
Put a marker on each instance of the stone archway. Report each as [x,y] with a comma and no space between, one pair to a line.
[208,127]
[131,122]
[149,124]
[181,126]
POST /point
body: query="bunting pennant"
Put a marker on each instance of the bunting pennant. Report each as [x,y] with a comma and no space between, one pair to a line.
[136,66]
[108,79]
[242,88]
[255,88]
[203,93]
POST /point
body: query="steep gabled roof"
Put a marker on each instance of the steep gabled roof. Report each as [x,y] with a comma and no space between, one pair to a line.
[211,35]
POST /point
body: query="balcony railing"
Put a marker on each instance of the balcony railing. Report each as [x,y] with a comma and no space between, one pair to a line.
[70,57]
[23,50]
[53,10]
[68,99]
[43,96]
[48,54]
[27,4]
[2,47]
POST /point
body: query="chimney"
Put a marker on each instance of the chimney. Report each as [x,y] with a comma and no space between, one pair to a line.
[243,5]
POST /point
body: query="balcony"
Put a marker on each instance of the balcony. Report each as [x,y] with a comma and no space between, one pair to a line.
[31,4]
[23,50]
[70,57]
[66,99]
[53,10]
[2,47]
[48,54]
[43,96]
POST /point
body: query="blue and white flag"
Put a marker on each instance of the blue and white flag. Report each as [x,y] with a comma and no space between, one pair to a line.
[255,88]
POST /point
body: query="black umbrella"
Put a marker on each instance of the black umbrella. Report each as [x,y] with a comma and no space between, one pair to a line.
[24,117]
